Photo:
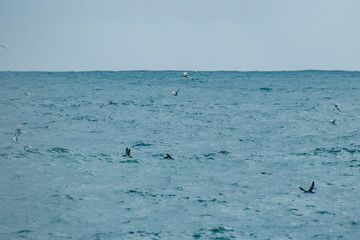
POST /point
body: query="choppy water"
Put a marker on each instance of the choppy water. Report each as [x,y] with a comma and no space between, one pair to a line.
[243,143]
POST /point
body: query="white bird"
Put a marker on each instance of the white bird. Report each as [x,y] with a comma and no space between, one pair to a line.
[175,93]
[332,121]
[337,106]
[185,75]
[28,94]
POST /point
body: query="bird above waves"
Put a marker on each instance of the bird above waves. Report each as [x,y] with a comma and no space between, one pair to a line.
[18,132]
[168,156]
[27,147]
[127,153]
[337,106]
[310,189]
[175,93]
[184,74]
[332,121]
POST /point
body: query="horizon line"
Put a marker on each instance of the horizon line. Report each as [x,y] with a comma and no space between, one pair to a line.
[144,70]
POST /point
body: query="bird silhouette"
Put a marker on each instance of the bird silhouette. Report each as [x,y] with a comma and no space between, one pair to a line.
[310,189]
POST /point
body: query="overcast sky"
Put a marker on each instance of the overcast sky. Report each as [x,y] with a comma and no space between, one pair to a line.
[244,35]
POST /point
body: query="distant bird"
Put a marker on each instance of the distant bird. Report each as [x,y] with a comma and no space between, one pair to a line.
[18,132]
[175,93]
[127,153]
[2,46]
[28,94]
[332,121]
[185,75]
[310,189]
[337,106]
[27,147]
[168,156]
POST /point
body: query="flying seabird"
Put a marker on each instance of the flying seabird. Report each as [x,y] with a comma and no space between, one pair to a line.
[175,93]
[18,132]
[27,147]
[168,156]
[127,153]
[337,106]
[185,75]
[28,94]
[332,121]
[310,189]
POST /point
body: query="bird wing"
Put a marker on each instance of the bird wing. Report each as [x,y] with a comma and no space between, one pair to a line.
[302,189]
[312,186]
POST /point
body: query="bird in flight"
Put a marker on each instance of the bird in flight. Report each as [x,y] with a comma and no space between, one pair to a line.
[310,189]
[185,75]
[127,153]
[168,156]
[337,106]
[175,93]
[332,121]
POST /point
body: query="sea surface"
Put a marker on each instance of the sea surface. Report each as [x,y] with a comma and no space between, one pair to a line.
[242,142]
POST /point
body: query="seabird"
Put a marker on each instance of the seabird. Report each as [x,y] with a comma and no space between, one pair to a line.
[332,121]
[185,75]
[18,132]
[168,156]
[175,93]
[3,46]
[337,106]
[127,153]
[28,94]
[310,189]
[27,147]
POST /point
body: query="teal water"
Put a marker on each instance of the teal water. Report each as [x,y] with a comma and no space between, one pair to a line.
[242,142]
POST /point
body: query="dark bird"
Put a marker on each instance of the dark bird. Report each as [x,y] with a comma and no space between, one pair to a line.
[127,153]
[310,189]
[168,156]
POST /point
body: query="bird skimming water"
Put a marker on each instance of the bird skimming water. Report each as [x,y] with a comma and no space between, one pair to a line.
[310,189]
[185,75]
[175,93]
[337,106]
[18,132]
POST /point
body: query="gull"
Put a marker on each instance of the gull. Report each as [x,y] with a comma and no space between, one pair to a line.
[185,75]
[175,93]
[18,132]
[168,156]
[332,121]
[337,106]
[310,189]
[28,94]
[127,153]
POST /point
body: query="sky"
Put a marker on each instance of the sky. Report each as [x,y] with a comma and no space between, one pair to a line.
[189,35]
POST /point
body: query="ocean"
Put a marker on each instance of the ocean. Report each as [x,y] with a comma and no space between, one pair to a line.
[242,144]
